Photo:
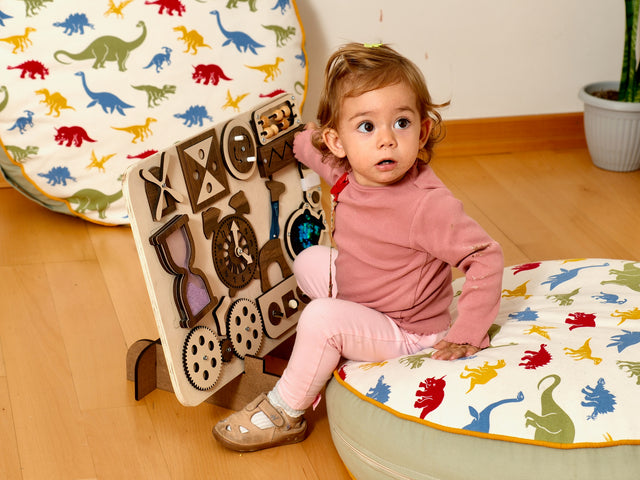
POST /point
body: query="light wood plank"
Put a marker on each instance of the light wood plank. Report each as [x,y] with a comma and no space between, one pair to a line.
[94,343]
[9,456]
[124,444]
[120,265]
[47,419]
[33,234]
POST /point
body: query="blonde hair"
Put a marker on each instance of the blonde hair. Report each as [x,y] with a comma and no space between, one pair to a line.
[355,69]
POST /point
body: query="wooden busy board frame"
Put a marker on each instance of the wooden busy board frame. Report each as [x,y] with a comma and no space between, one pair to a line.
[216,220]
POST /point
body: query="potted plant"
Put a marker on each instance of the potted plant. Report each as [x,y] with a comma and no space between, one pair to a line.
[612,109]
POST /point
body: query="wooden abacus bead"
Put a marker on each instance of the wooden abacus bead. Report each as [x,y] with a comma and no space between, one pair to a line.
[271,131]
[284,124]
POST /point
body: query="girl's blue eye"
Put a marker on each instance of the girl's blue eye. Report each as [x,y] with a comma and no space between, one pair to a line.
[402,123]
[365,127]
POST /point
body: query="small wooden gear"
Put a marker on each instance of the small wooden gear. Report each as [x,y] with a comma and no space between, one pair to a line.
[202,358]
[244,324]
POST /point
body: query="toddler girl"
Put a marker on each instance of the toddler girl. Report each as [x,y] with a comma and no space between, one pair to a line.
[385,290]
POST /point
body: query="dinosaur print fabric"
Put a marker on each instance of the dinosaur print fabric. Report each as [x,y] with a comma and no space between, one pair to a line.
[88,87]
[563,368]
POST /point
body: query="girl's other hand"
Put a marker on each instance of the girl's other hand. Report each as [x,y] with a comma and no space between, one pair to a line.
[452,351]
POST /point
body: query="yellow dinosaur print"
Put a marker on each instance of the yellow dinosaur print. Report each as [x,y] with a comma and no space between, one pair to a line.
[234,102]
[99,164]
[139,132]
[519,291]
[482,375]
[369,366]
[540,330]
[19,42]
[271,71]
[192,39]
[55,101]
[582,353]
[573,260]
[116,9]
[628,315]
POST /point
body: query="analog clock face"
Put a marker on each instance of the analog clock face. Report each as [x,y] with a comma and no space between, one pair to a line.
[235,252]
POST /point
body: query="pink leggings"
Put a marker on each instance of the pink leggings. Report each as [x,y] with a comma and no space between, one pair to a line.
[330,328]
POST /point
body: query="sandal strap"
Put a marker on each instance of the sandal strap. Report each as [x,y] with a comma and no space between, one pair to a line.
[262,403]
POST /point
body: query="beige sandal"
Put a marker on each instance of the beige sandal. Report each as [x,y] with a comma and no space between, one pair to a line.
[237,432]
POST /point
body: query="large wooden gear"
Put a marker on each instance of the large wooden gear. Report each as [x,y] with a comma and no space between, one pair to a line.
[210,218]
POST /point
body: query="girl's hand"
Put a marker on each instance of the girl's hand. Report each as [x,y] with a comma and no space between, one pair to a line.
[452,351]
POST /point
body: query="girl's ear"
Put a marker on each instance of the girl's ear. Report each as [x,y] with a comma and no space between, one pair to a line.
[332,141]
[425,131]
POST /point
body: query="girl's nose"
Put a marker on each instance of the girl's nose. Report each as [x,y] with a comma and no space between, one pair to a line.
[386,138]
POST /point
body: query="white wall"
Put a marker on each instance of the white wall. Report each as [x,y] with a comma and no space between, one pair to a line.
[491,58]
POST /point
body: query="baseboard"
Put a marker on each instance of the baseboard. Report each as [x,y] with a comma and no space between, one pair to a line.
[486,136]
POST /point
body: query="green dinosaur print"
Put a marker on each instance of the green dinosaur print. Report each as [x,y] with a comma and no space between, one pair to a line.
[629,276]
[415,361]
[154,94]
[21,154]
[564,299]
[632,367]
[5,100]
[553,424]
[283,35]
[90,199]
[107,49]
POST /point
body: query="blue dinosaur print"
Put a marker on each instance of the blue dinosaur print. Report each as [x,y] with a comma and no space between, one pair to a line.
[566,275]
[609,298]
[303,58]
[526,315]
[160,58]
[380,392]
[481,421]
[194,115]
[108,101]
[624,340]
[74,23]
[598,397]
[57,176]
[23,122]
[3,17]
[282,5]
[241,40]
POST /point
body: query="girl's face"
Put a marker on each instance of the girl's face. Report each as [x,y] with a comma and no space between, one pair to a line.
[380,133]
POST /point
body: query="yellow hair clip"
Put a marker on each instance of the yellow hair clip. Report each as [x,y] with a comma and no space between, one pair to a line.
[373,45]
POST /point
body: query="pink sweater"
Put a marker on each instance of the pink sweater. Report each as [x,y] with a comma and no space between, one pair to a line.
[396,245]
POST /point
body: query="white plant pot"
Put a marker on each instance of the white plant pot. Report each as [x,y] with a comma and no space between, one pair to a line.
[612,129]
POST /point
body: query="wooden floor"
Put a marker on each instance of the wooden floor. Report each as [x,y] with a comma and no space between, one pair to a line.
[73,299]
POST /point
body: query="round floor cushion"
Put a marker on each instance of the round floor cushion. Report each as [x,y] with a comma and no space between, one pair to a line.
[554,396]
[89,87]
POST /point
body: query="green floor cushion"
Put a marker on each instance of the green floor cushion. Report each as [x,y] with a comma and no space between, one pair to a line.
[87,88]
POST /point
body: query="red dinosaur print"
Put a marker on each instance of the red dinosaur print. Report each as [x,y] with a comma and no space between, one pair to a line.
[72,135]
[169,5]
[31,67]
[342,373]
[533,359]
[524,267]
[209,73]
[275,93]
[431,395]
[581,319]
[145,154]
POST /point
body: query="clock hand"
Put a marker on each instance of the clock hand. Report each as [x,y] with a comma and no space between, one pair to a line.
[238,250]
